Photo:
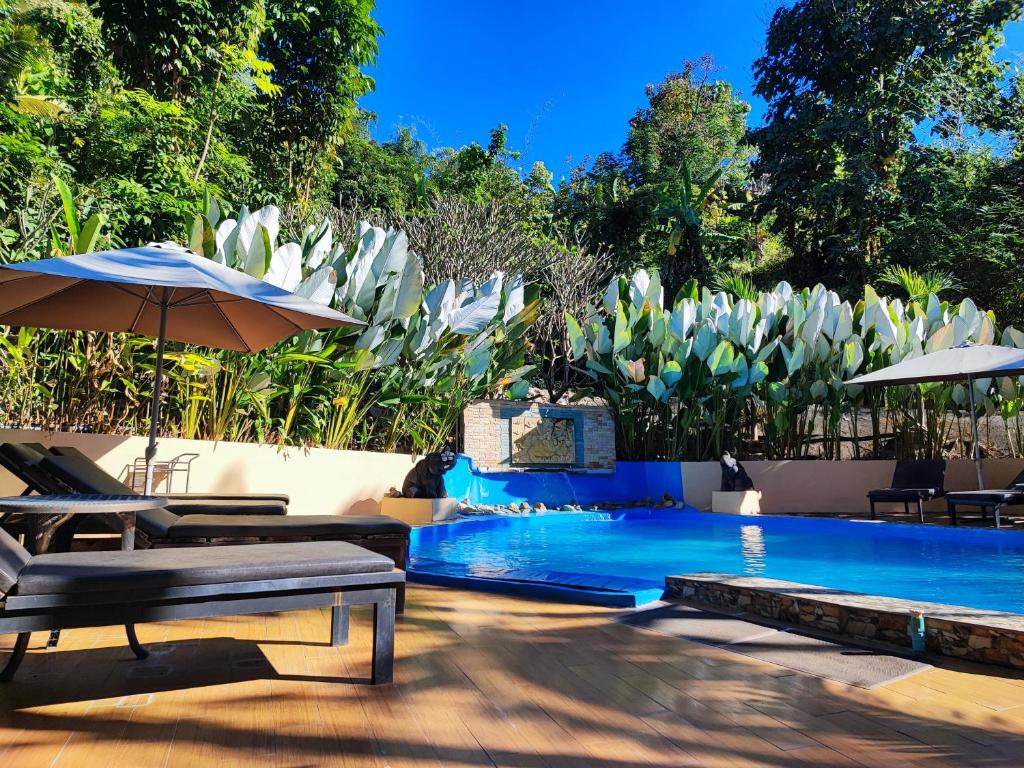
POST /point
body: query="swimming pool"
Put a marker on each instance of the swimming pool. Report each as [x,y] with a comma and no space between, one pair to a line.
[622,558]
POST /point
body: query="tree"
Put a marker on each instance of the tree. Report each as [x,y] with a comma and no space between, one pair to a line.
[317,49]
[670,192]
[962,213]
[847,83]
[691,118]
[171,48]
[386,177]
[489,175]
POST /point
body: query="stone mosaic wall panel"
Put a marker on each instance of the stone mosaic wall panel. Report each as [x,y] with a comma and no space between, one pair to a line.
[504,433]
[538,439]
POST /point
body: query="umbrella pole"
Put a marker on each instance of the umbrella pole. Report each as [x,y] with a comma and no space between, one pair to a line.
[158,385]
[975,448]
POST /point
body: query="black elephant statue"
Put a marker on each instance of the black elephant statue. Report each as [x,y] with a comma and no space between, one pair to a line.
[426,479]
[734,476]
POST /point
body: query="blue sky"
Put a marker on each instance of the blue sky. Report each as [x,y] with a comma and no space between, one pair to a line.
[564,75]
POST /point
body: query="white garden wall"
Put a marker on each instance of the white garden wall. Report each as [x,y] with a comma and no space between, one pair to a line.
[816,487]
[322,481]
[319,481]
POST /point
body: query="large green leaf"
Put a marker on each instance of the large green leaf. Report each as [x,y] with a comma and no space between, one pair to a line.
[477,363]
[202,239]
[476,315]
[741,372]
[721,358]
[794,358]
[853,355]
[577,341]
[86,240]
[671,373]
[285,270]
[70,209]
[259,253]
[402,295]
[623,336]
[656,387]
[410,291]
[319,286]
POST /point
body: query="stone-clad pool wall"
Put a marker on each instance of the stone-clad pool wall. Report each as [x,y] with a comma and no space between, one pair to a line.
[987,637]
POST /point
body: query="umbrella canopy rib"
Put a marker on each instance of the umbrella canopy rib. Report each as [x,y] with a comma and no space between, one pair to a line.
[138,315]
[193,299]
[231,327]
[288,320]
[32,302]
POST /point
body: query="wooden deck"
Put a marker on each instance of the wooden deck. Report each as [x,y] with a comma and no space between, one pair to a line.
[481,680]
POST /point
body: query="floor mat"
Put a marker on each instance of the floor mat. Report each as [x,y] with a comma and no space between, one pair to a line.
[821,658]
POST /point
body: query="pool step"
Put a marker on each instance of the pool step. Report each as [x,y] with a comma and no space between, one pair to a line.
[865,668]
[586,589]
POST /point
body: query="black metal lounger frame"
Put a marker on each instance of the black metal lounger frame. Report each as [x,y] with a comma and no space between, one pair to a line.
[27,614]
[906,492]
[984,504]
[395,546]
[920,500]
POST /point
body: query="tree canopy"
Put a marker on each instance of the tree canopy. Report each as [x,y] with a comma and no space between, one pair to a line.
[894,136]
[851,86]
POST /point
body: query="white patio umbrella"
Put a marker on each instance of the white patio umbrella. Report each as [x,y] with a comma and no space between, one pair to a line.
[966,362]
[165,292]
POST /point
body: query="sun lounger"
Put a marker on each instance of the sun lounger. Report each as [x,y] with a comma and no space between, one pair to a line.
[993,498]
[178,525]
[95,589]
[23,460]
[914,481]
[177,499]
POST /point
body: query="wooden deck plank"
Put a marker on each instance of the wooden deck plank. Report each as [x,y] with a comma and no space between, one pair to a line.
[480,681]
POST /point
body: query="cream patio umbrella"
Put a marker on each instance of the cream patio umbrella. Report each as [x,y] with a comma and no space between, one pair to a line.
[164,292]
[967,362]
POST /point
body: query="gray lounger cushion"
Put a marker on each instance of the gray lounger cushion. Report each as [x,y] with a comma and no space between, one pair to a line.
[283,498]
[904,494]
[273,526]
[59,450]
[84,476]
[216,506]
[156,522]
[13,559]
[986,497]
[145,570]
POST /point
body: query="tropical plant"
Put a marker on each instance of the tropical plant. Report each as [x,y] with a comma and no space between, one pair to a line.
[740,286]
[918,285]
[713,371]
[81,236]
[681,206]
[401,379]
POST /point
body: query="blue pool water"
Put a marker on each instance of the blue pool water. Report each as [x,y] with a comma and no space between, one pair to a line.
[622,558]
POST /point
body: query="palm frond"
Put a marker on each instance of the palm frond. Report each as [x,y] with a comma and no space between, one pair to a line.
[918,285]
[38,105]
